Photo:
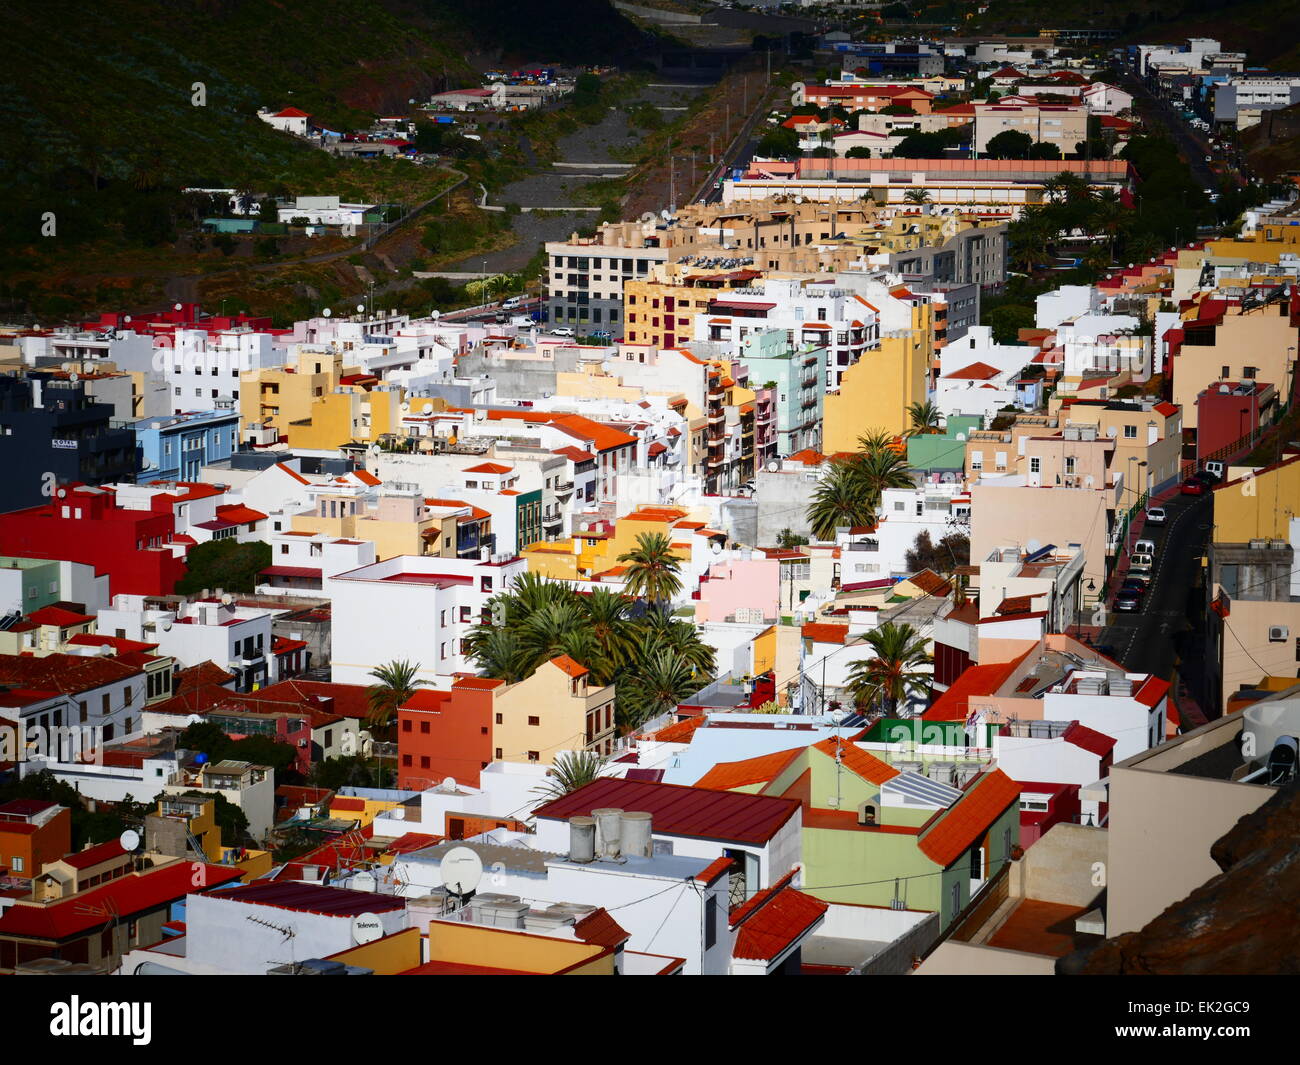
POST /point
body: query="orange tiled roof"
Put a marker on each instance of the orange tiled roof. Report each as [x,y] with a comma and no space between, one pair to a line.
[569,666]
[858,761]
[727,775]
[678,731]
[952,834]
[820,632]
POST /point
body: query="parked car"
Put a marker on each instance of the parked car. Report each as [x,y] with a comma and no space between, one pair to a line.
[523,321]
[1129,600]
[1212,472]
[1144,547]
[511,303]
[602,334]
[1193,486]
[1141,563]
[1156,516]
[1137,584]
[562,331]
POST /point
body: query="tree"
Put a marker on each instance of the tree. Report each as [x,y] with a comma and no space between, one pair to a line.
[1044,150]
[924,416]
[1007,321]
[840,499]
[917,196]
[657,686]
[917,145]
[1009,144]
[788,538]
[396,683]
[225,564]
[652,569]
[570,771]
[858,152]
[896,109]
[779,143]
[893,672]
[952,550]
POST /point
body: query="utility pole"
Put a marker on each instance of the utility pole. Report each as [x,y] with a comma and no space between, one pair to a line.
[672,189]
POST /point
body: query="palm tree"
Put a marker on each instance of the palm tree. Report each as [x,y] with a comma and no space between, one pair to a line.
[397,682]
[841,498]
[652,569]
[657,685]
[662,632]
[498,653]
[880,470]
[607,617]
[917,196]
[874,440]
[924,416]
[569,772]
[892,673]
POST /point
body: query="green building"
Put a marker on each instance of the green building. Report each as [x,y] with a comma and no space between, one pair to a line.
[936,452]
[799,377]
[528,518]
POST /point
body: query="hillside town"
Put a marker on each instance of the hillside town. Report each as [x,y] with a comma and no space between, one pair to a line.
[878,560]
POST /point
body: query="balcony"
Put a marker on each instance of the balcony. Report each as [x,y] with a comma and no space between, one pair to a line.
[563,488]
[552,520]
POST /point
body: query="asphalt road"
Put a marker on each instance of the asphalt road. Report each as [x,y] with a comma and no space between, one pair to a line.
[1192,145]
[1155,638]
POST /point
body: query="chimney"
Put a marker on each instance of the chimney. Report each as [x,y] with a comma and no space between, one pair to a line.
[636,841]
[609,831]
[582,839]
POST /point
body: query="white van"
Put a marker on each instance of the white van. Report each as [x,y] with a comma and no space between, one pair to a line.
[522,321]
[1144,547]
[511,303]
[1141,564]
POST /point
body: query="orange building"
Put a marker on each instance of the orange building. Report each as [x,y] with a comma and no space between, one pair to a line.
[32,833]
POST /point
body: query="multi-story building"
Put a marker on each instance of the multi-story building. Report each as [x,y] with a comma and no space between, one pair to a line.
[1062,125]
[175,447]
[52,432]
[585,278]
[794,382]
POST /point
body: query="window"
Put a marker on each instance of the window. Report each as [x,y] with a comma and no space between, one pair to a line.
[500,719]
[424,728]
[534,720]
[1035,465]
[1248,372]
[498,753]
[534,756]
[106,707]
[424,761]
[407,760]
[406,724]
[16,863]
[710,922]
[977,460]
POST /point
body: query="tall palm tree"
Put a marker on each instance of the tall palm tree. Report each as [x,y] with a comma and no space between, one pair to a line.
[498,653]
[917,196]
[607,616]
[924,416]
[893,671]
[657,685]
[883,469]
[841,498]
[396,683]
[662,632]
[569,772]
[652,569]
[875,440]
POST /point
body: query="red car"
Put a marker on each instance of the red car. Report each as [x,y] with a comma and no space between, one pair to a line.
[1192,487]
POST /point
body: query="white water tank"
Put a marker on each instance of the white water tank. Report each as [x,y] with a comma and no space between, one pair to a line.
[609,831]
[635,838]
[582,839]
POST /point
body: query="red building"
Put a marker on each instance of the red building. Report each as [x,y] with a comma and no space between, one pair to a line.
[444,734]
[83,524]
[32,832]
[1043,805]
[1228,411]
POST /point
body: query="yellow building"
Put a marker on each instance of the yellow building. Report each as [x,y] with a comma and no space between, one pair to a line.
[555,709]
[1260,507]
[280,395]
[398,522]
[182,824]
[1275,236]
[876,391]
[459,948]
[350,413]
[361,809]
[660,311]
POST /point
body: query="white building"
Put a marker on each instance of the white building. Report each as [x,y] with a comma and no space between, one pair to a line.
[444,596]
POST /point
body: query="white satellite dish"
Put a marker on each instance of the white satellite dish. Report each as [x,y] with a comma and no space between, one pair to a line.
[435,315]
[366,928]
[427,408]
[1032,546]
[360,307]
[129,840]
[176,306]
[773,466]
[364,881]
[327,312]
[462,869]
[73,378]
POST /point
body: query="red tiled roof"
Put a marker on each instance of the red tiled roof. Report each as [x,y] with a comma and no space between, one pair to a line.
[758,770]
[714,870]
[572,668]
[117,643]
[1090,740]
[954,704]
[681,811]
[951,834]
[95,855]
[1152,691]
[602,930]
[774,920]
[976,371]
[63,673]
[291,112]
[820,632]
[311,898]
[118,899]
[488,467]
[240,514]
[57,616]
[679,731]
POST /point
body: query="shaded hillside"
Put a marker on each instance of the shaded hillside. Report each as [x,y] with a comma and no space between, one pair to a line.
[1273,146]
[102,106]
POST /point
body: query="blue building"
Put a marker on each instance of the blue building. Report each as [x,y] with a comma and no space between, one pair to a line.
[174,446]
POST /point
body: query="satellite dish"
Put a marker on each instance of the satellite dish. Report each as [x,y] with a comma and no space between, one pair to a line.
[73,378]
[364,881]
[1032,546]
[374,449]
[327,312]
[366,928]
[360,307]
[448,783]
[176,306]
[773,466]
[406,407]
[435,315]
[427,408]
[665,215]
[462,869]
[129,840]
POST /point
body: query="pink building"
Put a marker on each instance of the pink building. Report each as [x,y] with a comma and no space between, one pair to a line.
[745,590]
